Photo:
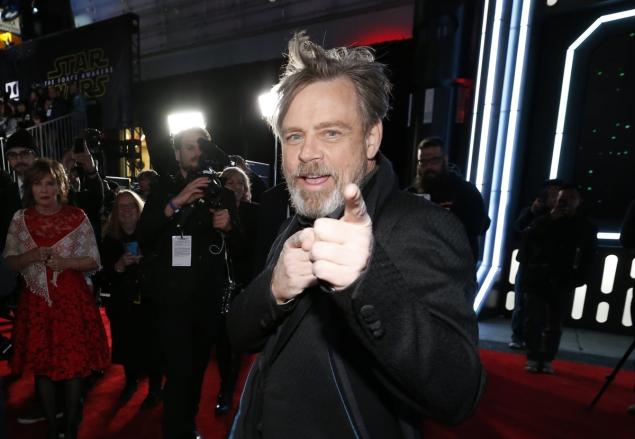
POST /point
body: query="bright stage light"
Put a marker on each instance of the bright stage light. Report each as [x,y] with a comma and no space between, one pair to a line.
[268,102]
[178,122]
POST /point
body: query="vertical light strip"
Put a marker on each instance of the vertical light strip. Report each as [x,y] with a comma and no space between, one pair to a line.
[627,318]
[513,268]
[579,298]
[566,83]
[608,275]
[633,269]
[510,150]
[477,88]
[489,95]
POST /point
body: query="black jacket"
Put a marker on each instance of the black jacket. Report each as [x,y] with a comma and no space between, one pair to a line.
[556,254]
[465,201]
[369,361]
[10,203]
[205,277]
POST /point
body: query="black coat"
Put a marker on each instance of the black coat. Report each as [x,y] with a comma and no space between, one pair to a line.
[465,201]
[129,330]
[203,280]
[10,203]
[370,361]
[556,254]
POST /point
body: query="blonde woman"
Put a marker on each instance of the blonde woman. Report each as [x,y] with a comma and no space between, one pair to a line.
[131,324]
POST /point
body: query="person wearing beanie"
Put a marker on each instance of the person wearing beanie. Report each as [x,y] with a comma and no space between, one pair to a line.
[20,151]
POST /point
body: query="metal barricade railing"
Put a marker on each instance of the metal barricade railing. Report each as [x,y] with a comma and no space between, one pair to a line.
[53,136]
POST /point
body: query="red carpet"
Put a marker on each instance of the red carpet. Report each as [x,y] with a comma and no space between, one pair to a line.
[516,404]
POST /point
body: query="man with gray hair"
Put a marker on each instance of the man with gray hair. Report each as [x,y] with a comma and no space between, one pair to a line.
[360,314]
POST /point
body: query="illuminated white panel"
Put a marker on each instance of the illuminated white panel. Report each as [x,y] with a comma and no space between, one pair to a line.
[602,314]
[578,303]
[608,276]
[627,318]
[510,300]
[477,90]
[566,82]
[489,95]
[633,269]
[513,270]
[608,236]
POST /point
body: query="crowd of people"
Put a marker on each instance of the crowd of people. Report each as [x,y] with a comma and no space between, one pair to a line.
[41,105]
[313,276]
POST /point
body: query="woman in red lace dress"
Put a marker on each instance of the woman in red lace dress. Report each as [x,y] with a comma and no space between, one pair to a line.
[58,333]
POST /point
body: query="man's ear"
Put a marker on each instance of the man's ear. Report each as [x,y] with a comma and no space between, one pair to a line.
[373,140]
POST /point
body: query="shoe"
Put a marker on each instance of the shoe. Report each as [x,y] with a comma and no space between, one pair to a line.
[35,416]
[516,345]
[631,410]
[532,366]
[153,399]
[547,368]
[222,404]
[128,391]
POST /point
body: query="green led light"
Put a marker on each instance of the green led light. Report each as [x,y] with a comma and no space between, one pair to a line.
[632,34]
[613,137]
[594,130]
[600,72]
[617,124]
[622,74]
[589,188]
[626,127]
[590,171]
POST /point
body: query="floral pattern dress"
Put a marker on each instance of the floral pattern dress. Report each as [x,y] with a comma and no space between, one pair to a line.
[58,330]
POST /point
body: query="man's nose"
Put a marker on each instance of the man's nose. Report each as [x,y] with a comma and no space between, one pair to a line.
[310,150]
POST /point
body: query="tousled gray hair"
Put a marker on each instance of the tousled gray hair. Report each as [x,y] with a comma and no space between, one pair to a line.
[308,62]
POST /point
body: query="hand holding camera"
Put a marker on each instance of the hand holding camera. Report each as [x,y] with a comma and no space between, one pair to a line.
[194,190]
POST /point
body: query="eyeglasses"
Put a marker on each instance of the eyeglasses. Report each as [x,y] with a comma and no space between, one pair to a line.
[431,161]
[12,155]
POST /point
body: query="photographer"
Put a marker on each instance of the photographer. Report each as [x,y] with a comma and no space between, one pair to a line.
[183,241]
[556,253]
[87,187]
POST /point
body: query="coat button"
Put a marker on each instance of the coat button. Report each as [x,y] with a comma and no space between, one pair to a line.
[368,313]
[374,325]
[379,333]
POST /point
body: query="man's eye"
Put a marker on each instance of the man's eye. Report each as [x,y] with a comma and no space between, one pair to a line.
[295,137]
[331,134]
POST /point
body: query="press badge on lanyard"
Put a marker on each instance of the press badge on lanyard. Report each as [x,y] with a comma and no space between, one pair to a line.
[181,251]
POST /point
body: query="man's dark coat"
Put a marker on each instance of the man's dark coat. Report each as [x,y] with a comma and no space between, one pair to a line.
[397,345]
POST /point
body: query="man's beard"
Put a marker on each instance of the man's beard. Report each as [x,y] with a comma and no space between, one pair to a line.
[318,204]
[427,181]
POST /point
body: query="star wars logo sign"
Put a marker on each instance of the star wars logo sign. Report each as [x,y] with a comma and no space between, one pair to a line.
[90,69]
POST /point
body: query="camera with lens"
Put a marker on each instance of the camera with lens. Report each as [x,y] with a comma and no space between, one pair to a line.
[210,164]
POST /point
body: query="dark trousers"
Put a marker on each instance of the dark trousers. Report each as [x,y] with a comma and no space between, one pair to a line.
[228,363]
[187,334]
[545,315]
[518,314]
